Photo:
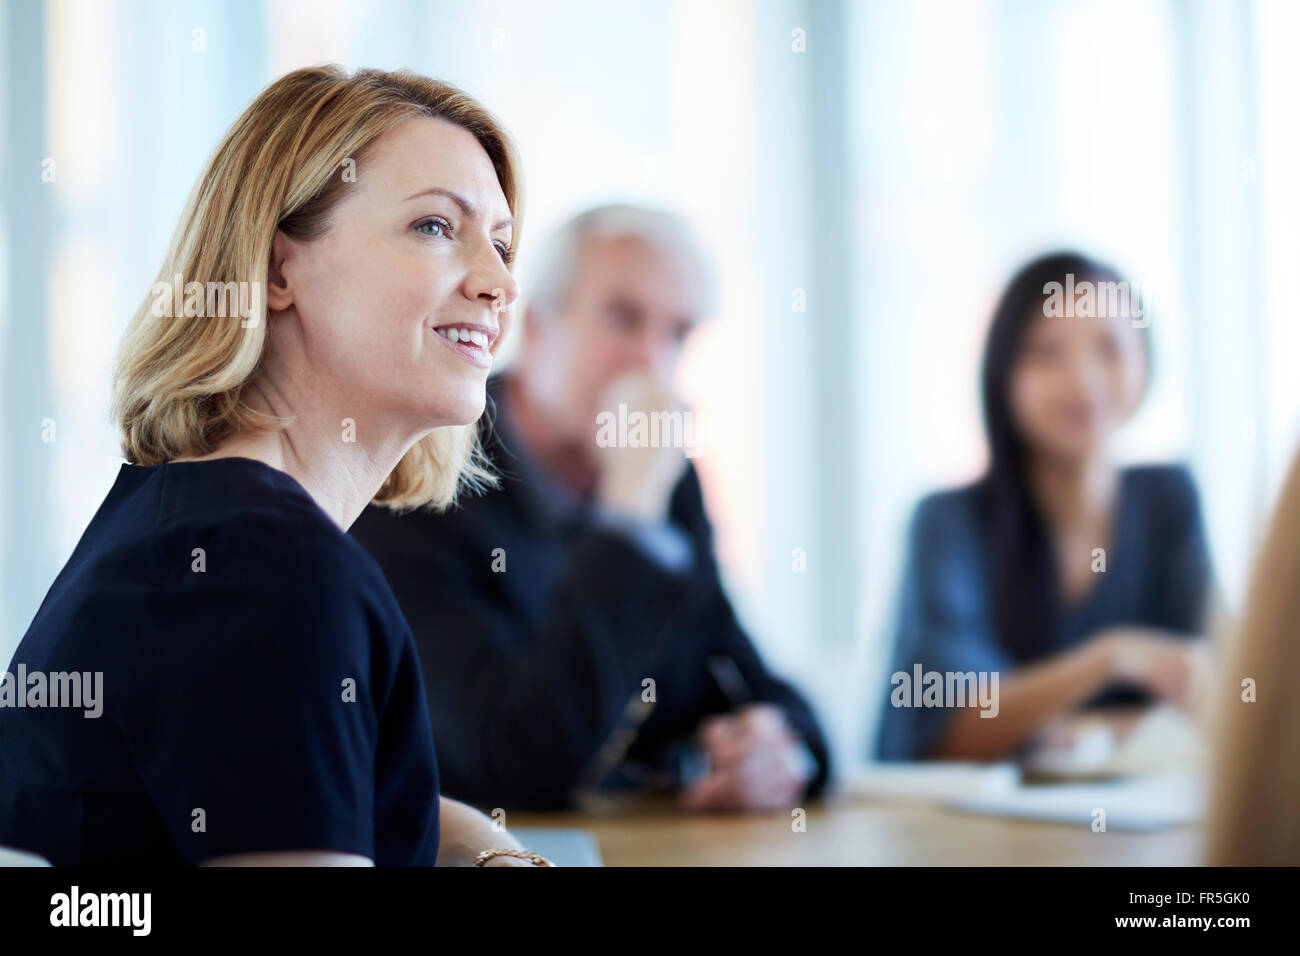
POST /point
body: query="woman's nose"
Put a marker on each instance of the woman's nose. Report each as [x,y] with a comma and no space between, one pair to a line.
[504,295]
[493,281]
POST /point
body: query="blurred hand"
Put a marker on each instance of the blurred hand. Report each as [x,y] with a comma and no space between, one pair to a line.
[638,482]
[758,762]
[1175,670]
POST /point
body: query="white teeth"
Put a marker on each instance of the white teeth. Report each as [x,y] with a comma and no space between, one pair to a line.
[480,339]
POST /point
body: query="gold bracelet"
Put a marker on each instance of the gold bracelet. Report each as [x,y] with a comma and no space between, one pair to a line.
[535,858]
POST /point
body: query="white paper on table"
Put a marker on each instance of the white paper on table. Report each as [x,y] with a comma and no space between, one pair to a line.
[1150,802]
[932,780]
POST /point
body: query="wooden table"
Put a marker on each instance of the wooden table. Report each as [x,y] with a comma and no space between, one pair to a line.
[859,832]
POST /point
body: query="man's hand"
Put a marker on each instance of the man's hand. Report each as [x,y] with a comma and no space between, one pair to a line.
[758,762]
[638,482]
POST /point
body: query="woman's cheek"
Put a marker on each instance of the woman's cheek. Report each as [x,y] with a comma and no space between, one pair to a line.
[1127,393]
[1026,400]
[1043,416]
[506,319]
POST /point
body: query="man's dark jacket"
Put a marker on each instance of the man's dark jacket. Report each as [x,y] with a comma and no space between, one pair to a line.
[529,669]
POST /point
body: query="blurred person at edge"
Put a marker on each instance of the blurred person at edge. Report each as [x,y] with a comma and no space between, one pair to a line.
[542,608]
[1255,768]
[1003,576]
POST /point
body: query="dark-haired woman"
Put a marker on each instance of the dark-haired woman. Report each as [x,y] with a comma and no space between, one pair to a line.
[1078,582]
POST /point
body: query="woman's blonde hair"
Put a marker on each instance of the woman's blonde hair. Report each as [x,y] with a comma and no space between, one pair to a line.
[1256,769]
[282,166]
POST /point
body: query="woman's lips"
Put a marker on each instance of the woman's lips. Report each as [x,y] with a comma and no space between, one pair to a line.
[1085,417]
[475,350]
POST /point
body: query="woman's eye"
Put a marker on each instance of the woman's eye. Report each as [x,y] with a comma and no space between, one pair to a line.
[504,251]
[437,227]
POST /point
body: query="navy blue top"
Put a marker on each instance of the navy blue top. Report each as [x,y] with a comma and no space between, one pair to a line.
[260,694]
[1157,575]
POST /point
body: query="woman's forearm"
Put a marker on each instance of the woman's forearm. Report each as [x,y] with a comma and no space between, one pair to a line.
[466,833]
[1026,700]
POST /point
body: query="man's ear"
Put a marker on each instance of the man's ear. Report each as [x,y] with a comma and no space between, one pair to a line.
[278,294]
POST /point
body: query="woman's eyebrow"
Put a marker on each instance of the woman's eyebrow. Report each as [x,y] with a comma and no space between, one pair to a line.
[465,205]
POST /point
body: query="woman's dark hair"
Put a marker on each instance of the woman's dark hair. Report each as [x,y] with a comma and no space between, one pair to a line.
[1024,579]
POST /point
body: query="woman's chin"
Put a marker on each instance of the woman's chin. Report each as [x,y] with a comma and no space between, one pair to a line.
[464,411]
[1079,449]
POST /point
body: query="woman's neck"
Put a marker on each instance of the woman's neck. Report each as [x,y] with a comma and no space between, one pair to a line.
[341,468]
[1072,492]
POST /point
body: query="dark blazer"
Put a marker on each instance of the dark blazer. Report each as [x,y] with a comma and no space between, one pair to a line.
[1158,575]
[537,630]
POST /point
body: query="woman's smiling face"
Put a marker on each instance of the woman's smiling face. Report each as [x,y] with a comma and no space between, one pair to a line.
[416,259]
[1076,380]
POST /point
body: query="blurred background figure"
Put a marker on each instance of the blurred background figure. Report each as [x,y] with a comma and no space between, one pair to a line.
[576,613]
[1059,570]
[1256,768]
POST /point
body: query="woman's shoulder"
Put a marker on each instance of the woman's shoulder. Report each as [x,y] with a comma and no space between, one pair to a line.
[1166,490]
[1161,477]
[311,562]
[245,528]
[948,508]
[265,512]
[286,586]
[947,523]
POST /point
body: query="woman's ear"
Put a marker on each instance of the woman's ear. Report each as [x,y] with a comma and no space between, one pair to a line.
[278,294]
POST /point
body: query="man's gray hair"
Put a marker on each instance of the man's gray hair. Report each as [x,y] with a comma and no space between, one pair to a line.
[556,266]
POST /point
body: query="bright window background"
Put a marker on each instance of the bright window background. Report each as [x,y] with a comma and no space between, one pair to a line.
[895,172]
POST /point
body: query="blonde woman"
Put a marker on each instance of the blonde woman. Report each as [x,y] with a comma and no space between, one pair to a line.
[259,694]
[1256,779]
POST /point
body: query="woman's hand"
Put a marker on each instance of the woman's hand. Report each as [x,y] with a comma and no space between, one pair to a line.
[466,833]
[510,861]
[1031,697]
[1175,670]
